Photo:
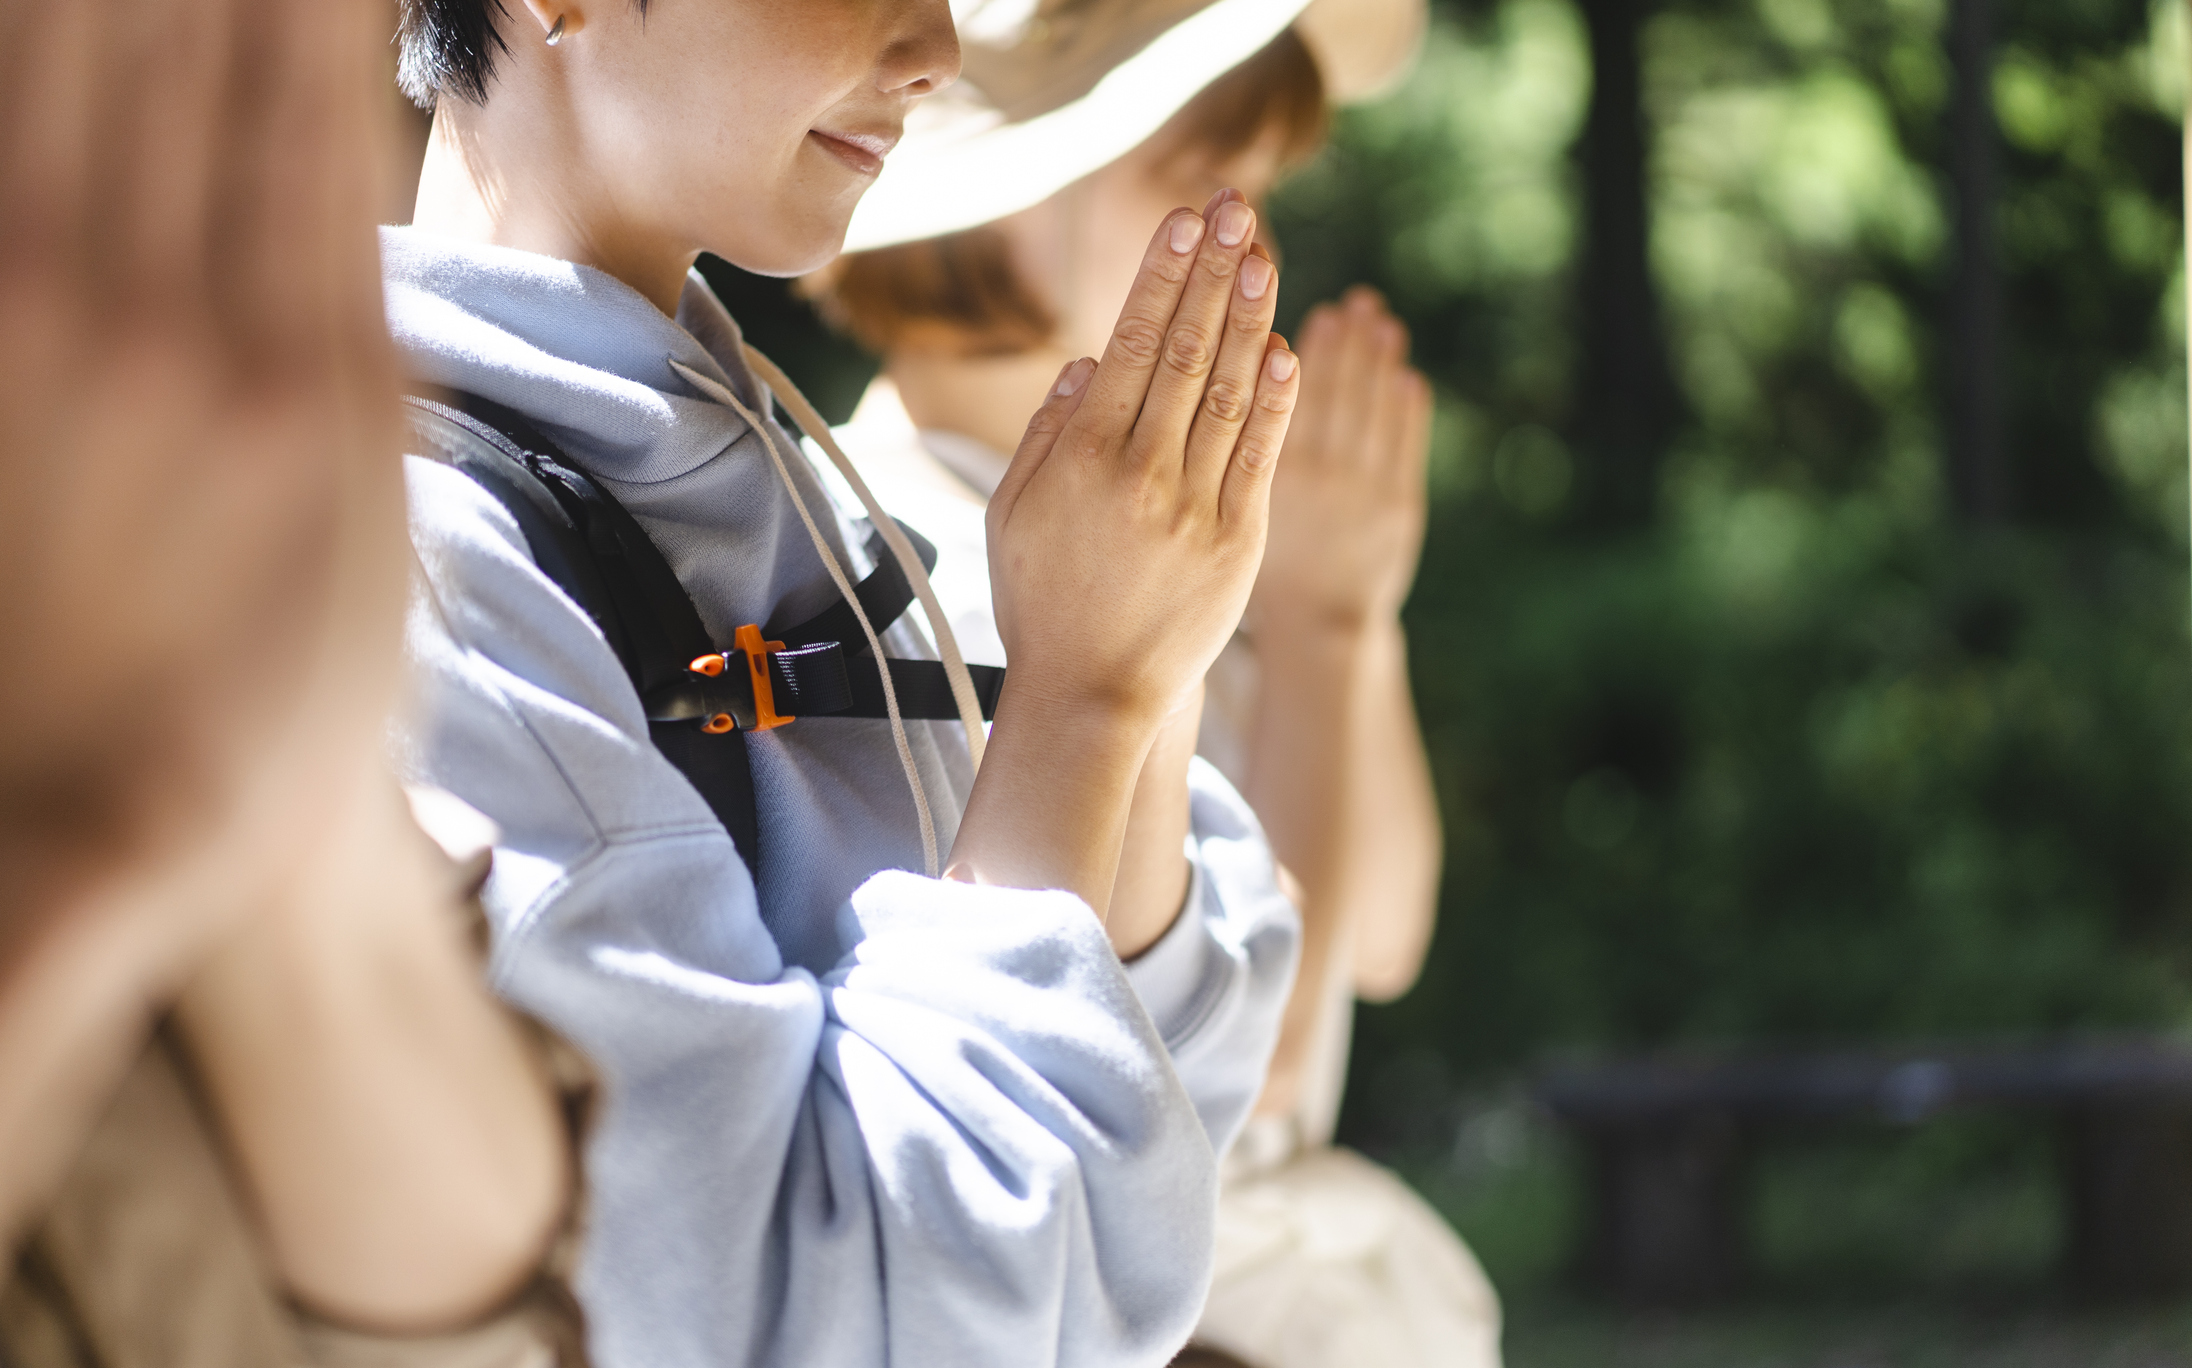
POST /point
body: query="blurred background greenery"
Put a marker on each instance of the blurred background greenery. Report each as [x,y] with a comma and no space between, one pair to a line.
[1756,718]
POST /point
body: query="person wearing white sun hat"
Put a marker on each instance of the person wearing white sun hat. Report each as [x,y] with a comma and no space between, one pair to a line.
[1051,90]
[996,243]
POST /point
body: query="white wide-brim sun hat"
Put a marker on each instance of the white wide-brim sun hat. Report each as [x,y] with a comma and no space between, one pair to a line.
[1054,90]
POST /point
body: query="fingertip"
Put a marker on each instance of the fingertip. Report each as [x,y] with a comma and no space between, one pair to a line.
[1235,221]
[1184,231]
[1073,378]
[1281,364]
[1256,277]
[1412,389]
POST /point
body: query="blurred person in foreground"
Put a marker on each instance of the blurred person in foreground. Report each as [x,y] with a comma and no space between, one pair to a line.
[1324,1259]
[257,1108]
[917,1042]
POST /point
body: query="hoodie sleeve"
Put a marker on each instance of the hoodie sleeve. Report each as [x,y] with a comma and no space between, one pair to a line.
[964,1143]
[1216,983]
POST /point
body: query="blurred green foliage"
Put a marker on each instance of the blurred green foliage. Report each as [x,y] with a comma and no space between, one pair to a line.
[1791,771]
[1964,1209]
[1801,244]
[1808,760]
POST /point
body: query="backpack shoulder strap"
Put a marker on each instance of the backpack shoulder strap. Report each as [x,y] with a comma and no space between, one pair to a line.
[700,700]
[590,546]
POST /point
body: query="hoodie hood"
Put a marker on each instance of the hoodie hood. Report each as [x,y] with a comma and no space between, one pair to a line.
[581,353]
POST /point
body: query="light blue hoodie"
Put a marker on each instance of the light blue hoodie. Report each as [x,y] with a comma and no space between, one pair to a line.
[865,1117]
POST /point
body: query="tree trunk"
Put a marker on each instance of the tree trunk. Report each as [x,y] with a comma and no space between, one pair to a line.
[1978,464]
[1626,407]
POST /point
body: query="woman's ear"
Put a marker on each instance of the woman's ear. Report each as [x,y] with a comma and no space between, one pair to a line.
[558,19]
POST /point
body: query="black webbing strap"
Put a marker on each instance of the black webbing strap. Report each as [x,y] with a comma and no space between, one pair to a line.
[584,541]
[818,681]
[823,669]
[883,595]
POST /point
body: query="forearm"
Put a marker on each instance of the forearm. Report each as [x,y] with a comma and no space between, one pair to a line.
[1153,873]
[1336,773]
[399,1135]
[1049,809]
[1402,845]
[1297,781]
[78,995]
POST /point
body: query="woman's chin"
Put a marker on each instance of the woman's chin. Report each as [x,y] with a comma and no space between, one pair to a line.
[807,246]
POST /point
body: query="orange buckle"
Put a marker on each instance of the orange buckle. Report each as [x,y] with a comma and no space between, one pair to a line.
[748,639]
[716,724]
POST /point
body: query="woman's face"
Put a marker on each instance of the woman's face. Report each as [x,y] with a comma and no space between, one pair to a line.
[749,128]
[1083,246]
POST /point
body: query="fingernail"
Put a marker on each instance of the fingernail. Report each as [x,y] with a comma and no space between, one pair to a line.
[1211,206]
[1282,365]
[1072,378]
[1255,277]
[1187,230]
[1234,221]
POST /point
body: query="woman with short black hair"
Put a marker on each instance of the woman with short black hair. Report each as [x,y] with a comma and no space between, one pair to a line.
[896,1065]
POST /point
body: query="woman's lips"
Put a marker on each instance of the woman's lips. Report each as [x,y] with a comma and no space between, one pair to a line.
[863,152]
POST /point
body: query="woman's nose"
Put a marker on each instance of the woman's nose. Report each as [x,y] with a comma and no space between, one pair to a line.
[925,57]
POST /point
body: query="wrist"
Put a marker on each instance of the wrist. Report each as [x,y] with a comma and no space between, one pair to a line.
[1109,722]
[1049,807]
[1323,672]
[1321,630]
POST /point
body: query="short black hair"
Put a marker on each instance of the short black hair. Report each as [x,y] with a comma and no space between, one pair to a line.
[447,47]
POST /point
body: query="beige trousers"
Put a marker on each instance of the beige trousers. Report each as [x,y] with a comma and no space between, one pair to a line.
[1329,1261]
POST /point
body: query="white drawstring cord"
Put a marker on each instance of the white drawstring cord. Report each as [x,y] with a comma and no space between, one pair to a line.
[722,394]
[947,645]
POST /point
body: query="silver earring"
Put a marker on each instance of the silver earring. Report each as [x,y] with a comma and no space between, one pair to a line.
[555,35]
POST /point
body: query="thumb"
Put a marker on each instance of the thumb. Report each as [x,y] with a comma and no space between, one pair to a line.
[1059,406]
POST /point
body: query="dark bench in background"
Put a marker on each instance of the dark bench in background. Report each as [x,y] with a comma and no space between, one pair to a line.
[1666,1140]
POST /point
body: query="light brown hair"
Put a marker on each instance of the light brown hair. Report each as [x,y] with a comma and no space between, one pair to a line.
[962,293]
